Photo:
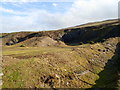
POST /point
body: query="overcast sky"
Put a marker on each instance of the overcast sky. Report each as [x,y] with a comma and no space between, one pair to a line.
[36,15]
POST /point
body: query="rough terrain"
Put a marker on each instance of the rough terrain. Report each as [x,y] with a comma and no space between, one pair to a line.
[76,57]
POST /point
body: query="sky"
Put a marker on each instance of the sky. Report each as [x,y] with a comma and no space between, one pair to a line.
[40,15]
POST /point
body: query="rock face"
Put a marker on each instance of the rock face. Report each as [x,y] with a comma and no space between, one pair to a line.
[87,34]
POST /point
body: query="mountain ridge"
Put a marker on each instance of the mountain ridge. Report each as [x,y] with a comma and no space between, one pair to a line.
[70,35]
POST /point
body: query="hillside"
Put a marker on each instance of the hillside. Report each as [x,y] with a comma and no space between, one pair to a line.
[85,33]
[75,57]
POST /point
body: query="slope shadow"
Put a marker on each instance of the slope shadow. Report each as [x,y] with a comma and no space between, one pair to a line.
[90,34]
[19,39]
[108,78]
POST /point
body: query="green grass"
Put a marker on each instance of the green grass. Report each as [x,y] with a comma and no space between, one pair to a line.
[13,78]
[29,50]
[64,62]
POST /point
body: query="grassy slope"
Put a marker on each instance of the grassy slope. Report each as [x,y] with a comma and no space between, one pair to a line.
[53,66]
[61,66]
[48,64]
[110,76]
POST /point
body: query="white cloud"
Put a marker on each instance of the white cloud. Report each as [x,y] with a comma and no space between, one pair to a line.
[37,0]
[93,10]
[19,0]
[54,4]
[12,11]
[6,10]
[81,11]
